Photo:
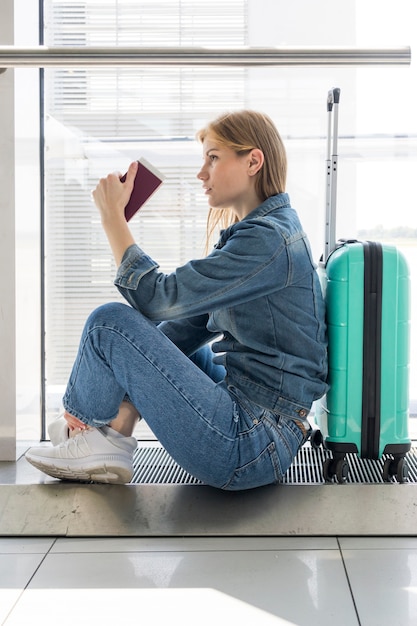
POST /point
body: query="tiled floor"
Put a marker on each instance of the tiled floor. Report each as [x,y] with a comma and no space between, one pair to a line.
[201,581]
[216,581]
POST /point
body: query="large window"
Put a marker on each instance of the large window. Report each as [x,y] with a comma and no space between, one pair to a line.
[97,120]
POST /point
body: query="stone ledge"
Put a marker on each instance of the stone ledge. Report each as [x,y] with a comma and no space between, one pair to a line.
[93,510]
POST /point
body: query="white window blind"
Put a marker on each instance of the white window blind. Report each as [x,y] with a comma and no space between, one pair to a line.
[98,120]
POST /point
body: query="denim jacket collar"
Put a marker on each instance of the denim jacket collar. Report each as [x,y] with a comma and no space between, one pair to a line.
[279,201]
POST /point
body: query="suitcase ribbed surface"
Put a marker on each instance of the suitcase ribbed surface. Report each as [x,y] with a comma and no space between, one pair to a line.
[153,465]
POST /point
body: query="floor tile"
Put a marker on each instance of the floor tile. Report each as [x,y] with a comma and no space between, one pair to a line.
[25,545]
[245,587]
[378,543]
[180,607]
[384,585]
[15,572]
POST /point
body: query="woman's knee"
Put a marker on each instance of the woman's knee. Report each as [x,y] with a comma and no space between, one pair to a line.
[110,314]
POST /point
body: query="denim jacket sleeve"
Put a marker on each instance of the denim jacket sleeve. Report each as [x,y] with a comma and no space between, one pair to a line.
[250,261]
[188,334]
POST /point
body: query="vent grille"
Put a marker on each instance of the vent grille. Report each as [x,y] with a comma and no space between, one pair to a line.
[153,465]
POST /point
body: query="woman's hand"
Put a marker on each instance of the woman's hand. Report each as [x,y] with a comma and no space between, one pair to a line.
[111,195]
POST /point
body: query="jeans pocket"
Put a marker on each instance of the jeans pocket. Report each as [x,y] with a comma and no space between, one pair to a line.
[263,470]
[288,439]
[268,444]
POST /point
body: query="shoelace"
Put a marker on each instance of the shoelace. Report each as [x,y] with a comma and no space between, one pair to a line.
[77,446]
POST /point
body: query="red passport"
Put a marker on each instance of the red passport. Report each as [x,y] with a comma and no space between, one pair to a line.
[147,181]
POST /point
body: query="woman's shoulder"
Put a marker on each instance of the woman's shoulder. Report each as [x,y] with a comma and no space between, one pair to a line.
[275,214]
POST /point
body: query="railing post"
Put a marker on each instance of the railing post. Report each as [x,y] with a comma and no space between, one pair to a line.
[7,249]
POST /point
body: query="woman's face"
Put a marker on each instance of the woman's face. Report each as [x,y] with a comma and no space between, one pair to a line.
[226,177]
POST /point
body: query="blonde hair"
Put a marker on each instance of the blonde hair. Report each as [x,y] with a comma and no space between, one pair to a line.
[243,131]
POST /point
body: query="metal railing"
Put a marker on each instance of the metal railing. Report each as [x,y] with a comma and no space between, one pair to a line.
[44,56]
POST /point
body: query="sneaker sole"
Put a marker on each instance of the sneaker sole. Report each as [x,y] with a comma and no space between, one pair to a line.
[110,469]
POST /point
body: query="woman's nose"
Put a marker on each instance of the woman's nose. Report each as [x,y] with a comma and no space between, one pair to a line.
[202,174]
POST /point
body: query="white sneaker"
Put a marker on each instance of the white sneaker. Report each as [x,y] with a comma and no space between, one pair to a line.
[58,430]
[98,454]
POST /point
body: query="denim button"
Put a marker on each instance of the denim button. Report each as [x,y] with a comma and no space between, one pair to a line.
[302,413]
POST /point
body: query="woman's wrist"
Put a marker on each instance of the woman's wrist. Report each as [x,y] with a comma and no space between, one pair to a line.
[119,236]
[112,220]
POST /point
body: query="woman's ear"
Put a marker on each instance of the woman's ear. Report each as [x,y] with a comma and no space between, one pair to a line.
[256,160]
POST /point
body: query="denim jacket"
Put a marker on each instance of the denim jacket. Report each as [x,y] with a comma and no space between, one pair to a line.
[257,294]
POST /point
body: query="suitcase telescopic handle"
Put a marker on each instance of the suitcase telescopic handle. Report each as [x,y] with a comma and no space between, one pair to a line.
[333,98]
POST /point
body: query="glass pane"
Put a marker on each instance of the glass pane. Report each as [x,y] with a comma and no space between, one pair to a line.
[99,119]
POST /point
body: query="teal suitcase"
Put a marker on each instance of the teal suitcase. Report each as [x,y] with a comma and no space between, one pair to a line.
[367,293]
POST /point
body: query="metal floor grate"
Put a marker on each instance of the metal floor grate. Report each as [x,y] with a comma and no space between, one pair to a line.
[153,465]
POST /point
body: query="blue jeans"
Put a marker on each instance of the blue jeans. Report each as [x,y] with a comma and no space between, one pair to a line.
[208,427]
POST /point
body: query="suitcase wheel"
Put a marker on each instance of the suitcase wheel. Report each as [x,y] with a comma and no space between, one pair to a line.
[336,467]
[316,439]
[397,467]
